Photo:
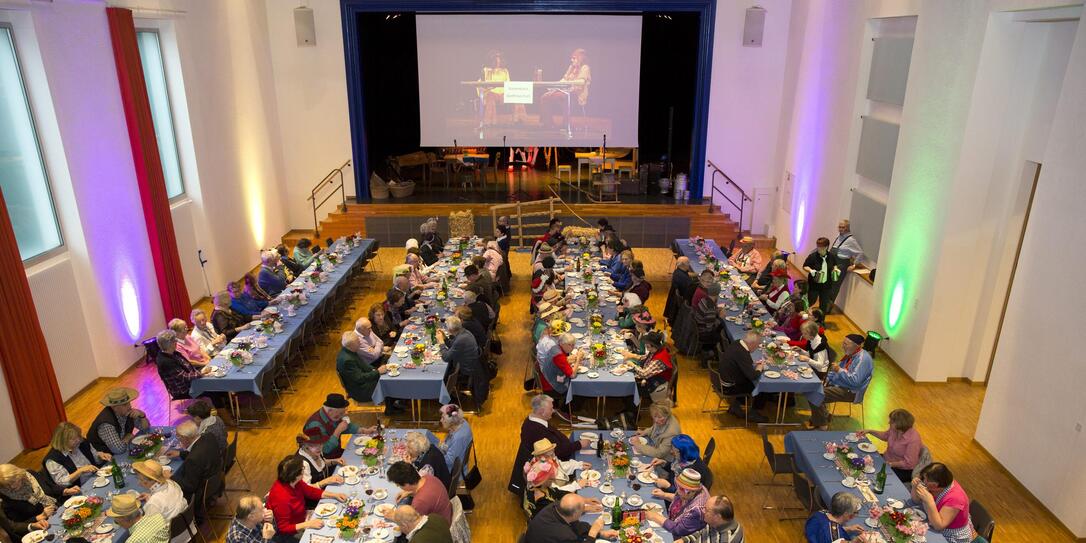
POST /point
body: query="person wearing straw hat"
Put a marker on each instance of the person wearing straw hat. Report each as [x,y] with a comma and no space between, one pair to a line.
[746,259]
[543,451]
[163,495]
[686,514]
[118,422]
[142,527]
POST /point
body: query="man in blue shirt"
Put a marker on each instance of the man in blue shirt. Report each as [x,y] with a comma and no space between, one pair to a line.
[847,379]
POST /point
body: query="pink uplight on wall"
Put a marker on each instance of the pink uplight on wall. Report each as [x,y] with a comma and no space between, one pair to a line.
[130,308]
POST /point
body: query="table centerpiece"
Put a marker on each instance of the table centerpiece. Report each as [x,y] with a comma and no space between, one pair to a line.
[372,450]
[431,327]
[240,357]
[74,518]
[899,526]
[418,352]
[349,522]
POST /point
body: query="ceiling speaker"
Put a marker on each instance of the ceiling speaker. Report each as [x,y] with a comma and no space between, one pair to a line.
[304,27]
[753,27]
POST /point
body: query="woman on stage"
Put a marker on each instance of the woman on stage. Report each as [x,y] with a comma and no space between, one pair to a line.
[554,101]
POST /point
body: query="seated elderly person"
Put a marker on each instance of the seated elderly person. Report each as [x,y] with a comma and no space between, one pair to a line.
[26,506]
[829,526]
[175,371]
[202,460]
[653,374]
[620,274]
[540,490]
[426,458]
[683,281]
[381,323]
[471,324]
[720,524]
[459,350]
[685,454]
[142,527]
[480,310]
[746,259]
[560,522]
[303,254]
[252,523]
[817,348]
[644,323]
[208,421]
[777,294]
[287,498]
[224,319]
[71,458]
[243,302]
[358,376]
[638,284]
[118,422]
[558,366]
[317,471]
[329,422]
[203,332]
[458,436]
[776,263]
[707,317]
[416,277]
[655,441]
[428,495]
[686,514]
[293,268]
[846,379]
[417,528]
[430,250]
[535,427]
[187,345]
[903,444]
[371,348]
[273,277]
[162,496]
[627,308]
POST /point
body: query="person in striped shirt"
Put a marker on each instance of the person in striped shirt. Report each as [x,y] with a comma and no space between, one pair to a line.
[720,524]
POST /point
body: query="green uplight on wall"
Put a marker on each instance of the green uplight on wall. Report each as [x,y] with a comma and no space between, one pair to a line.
[893,311]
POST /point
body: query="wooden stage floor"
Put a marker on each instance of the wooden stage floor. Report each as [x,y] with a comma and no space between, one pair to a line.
[946,417]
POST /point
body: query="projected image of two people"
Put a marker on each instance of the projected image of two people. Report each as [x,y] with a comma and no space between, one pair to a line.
[556,103]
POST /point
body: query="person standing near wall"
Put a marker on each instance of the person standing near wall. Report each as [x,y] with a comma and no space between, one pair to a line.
[846,248]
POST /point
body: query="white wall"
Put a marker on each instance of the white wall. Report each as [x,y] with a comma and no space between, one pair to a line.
[1034,391]
[745,100]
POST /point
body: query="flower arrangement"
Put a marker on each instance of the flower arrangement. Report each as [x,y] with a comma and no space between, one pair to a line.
[75,518]
[333,258]
[593,299]
[147,447]
[633,534]
[270,326]
[698,241]
[758,325]
[585,257]
[899,526]
[599,352]
[847,461]
[431,327]
[372,450]
[772,350]
[348,523]
[456,257]
[596,321]
[620,461]
[295,297]
[417,352]
[240,357]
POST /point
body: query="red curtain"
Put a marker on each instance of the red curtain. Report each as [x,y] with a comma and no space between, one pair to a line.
[152,184]
[28,370]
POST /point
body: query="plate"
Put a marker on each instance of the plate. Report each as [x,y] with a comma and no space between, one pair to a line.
[352,480]
[919,513]
[105,472]
[771,374]
[578,335]
[383,509]
[852,438]
[635,501]
[609,501]
[380,494]
[828,456]
[582,369]
[873,523]
[103,528]
[618,433]
[164,460]
[381,533]
[867,447]
[34,537]
[141,440]
[869,469]
[848,482]
[607,488]
[895,504]
[653,506]
[647,477]
[591,435]
[325,510]
[100,482]
[590,475]
[593,374]
[75,501]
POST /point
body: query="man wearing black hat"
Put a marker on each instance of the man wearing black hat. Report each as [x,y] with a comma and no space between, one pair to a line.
[328,423]
[847,379]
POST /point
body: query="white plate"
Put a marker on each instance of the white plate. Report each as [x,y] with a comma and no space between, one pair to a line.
[771,374]
[325,510]
[105,471]
[607,488]
[34,537]
[653,506]
[383,509]
[401,349]
[919,513]
[141,440]
[578,335]
[380,494]
[635,501]
[103,528]
[381,533]
[100,482]
[590,475]
[852,438]
[870,469]
[590,435]
[393,373]
[867,447]
[618,433]
[609,501]
[352,480]
[164,460]
[75,501]
[647,477]
[828,456]
[848,482]
[894,504]
[582,369]
[873,523]
[593,374]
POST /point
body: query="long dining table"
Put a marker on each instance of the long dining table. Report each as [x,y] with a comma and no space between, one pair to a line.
[808,449]
[252,378]
[426,380]
[737,322]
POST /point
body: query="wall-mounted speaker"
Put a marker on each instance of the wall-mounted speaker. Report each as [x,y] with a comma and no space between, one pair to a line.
[304,27]
[753,27]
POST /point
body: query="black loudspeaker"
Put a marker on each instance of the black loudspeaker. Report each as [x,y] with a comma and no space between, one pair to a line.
[304,27]
[754,27]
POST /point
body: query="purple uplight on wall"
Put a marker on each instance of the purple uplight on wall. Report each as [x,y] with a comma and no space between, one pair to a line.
[130,308]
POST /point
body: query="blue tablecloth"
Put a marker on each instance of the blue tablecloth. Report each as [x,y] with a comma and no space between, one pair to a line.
[376,482]
[607,384]
[427,382]
[250,378]
[621,484]
[56,524]
[808,448]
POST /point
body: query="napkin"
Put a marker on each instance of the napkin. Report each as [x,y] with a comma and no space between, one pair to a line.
[572,487]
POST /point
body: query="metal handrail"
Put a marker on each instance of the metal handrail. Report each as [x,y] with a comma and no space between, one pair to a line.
[335,180]
[743,198]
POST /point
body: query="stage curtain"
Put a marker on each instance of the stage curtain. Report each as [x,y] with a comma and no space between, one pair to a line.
[152,184]
[28,370]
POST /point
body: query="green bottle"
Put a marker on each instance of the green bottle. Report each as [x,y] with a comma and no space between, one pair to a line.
[880,480]
[616,514]
[118,477]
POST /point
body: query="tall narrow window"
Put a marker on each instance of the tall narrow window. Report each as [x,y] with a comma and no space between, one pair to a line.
[22,170]
[154,73]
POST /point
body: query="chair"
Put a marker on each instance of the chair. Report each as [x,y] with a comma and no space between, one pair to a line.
[359,408]
[710,448]
[185,524]
[207,500]
[461,532]
[229,459]
[716,385]
[859,399]
[805,493]
[457,475]
[779,463]
[983,522]
[923,462]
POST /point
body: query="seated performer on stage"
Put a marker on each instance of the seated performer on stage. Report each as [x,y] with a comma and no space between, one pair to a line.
[495,70]
[554,101]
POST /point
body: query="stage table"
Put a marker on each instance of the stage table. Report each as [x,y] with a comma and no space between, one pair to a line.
[377,482]
[808,448]
[621,484]
[250,378]
[56,523]
[427,382]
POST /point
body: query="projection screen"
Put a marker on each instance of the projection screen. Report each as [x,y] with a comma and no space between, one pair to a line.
[538,80]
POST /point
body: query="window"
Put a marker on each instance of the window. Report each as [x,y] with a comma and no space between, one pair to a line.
[22,171]
[154,74]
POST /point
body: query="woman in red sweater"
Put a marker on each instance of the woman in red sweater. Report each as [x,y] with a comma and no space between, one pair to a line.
[286,499]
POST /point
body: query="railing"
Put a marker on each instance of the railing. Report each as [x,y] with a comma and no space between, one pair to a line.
[544,208]
[334,179]
[742,197]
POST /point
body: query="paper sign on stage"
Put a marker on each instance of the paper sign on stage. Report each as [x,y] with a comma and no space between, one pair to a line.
[518,92]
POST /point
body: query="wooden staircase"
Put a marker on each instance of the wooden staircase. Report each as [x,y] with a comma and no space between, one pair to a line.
[352,218]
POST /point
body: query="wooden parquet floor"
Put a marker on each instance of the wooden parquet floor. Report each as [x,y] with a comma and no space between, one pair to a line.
[946,417]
